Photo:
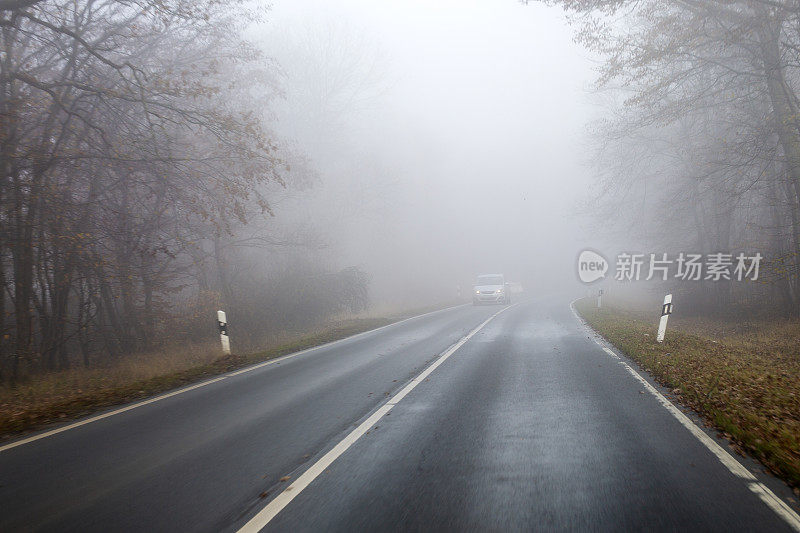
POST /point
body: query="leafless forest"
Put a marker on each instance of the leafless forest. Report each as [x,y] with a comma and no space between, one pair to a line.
[147,148]
[700,151]
[132,155]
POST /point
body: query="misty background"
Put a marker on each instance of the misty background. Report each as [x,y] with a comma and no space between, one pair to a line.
[292,164]
[303,162]
[448,139]
[319,169]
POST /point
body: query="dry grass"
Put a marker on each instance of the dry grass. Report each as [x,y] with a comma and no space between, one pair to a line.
[744,377]
[53,397]
[40,392]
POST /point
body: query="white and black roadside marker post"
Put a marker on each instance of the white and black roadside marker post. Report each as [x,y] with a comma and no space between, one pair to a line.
[600,298]
[666,310]
[222,322]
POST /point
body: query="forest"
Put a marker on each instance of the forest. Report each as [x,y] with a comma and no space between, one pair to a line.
[134,155]
[698,147]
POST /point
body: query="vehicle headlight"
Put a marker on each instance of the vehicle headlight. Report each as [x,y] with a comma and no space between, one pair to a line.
[477,292]
[499,291]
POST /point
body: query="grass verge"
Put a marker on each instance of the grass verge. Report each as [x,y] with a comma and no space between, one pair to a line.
[743,378]
[75,393]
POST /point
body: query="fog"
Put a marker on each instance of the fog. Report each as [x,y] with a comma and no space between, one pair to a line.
[236,235]
[448,139]
[300,162]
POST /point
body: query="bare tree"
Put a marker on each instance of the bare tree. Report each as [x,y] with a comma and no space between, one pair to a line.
[709,112]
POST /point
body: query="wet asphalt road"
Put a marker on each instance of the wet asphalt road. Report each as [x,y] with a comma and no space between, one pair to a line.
[529,425]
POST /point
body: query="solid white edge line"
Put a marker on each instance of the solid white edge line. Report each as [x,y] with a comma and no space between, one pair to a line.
[121,410]
[271,510]
[775,503]
[106,415]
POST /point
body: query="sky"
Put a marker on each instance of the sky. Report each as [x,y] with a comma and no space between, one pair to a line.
[449,138]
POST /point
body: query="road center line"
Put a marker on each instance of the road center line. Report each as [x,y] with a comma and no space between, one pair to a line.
[121,410]
[777,505]
[271,510]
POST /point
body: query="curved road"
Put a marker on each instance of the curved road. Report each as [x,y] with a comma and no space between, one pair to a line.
[528,424]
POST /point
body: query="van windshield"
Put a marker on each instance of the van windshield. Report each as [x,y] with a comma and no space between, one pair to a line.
[489,280]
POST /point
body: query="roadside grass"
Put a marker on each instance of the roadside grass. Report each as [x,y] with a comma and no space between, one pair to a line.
[744,378]
[59,396]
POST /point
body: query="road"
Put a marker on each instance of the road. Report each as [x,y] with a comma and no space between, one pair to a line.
[528,425]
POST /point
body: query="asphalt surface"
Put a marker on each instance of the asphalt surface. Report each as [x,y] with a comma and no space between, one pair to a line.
[529,425]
